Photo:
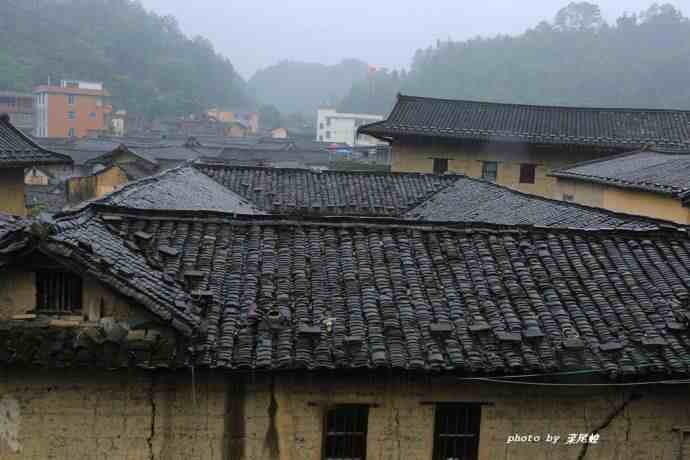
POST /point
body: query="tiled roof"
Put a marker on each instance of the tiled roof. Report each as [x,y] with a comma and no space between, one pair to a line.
[18,150]
[12,236]
[654,171]
[180,188]
[302,191]
[475,200]
[342,294]
[489,121]
[46,198]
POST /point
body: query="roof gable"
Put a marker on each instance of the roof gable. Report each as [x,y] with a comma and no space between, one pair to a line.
[179,188]
[18,150]
[489,121]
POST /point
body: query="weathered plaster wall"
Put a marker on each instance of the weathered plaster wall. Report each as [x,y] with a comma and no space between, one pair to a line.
[624,200]
[467,159]
[95,186]
[132,415]
[18,296]
[12,200]
[111,415]
[17,292]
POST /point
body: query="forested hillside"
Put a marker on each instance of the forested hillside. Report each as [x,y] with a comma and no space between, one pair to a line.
[642,60]
[301,87]
[146,62]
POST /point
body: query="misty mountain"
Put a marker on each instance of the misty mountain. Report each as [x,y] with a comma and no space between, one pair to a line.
[145,61]
[643,60]
[302,87]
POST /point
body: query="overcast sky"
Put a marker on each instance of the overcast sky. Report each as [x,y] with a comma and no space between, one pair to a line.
[256,34]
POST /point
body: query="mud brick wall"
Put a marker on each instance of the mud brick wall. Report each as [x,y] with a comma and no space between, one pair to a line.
[136,415]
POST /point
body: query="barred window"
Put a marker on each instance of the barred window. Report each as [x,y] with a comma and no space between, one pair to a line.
[527,173]
[58,292]
[456,431]
[440,165]
[345,436]
[490,170]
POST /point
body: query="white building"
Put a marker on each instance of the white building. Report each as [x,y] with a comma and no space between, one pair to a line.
[332,126]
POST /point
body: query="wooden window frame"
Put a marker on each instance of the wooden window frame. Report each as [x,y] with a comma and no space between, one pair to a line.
[444,165]
[461,437]
[66,285]
[362,411]
[528,173]
[485,169]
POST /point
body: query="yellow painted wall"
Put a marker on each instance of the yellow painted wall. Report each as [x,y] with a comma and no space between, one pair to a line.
[95,186]
[467,159]
[624,200]
[109,180]
[120,415]
[12,199]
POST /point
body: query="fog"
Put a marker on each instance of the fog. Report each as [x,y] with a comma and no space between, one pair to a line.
[383,33]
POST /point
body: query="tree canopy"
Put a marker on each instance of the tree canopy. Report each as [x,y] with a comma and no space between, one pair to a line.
[302,87]
[146,62]
[643,60]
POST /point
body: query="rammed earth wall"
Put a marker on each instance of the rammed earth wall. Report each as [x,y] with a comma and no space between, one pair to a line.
[70,414]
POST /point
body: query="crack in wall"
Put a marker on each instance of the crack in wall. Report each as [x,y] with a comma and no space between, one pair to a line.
[271,442]
[607,421]
[152,402]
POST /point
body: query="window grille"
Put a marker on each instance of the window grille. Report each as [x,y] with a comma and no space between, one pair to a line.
[345,436]
[58,292]
[456,431]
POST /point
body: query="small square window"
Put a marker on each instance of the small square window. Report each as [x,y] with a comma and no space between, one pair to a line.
[92,115]
[456,431]
[345,436]
[489,170]
[440,165]
[527,173]
[58,292]
[71,115]
[328,134]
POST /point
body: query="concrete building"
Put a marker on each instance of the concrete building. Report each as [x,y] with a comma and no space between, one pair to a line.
[72,109]
[518,145]
[332,126]
[247,118]
[20,108]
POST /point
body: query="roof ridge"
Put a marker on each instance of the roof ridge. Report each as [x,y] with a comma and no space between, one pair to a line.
[354,221]
[540,106]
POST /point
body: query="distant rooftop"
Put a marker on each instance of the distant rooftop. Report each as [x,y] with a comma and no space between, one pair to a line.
[18,150]
[476,200]
[490,121]
[654,171]
[302,191]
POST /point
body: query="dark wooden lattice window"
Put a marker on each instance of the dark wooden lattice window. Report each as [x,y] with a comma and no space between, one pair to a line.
[440,165]
[345,436]
[490,170]
[527,173]
[456,431]
[58,292]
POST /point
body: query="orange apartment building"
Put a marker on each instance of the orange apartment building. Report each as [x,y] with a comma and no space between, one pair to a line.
[72,109]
